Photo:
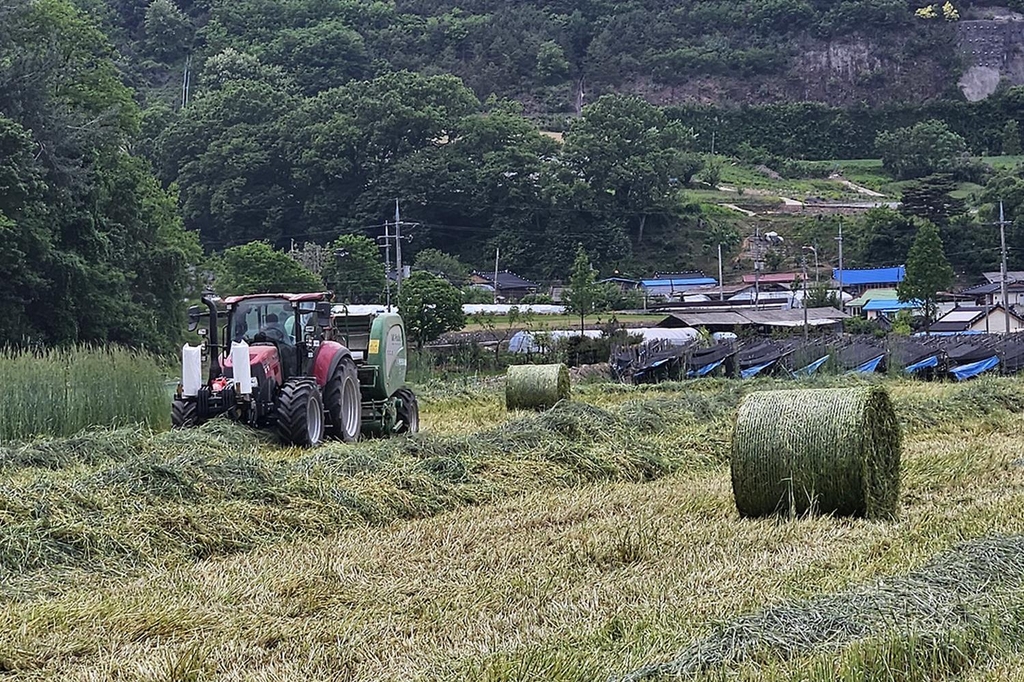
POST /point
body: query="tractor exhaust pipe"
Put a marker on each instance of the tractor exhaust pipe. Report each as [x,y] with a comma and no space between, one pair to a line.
[214,336]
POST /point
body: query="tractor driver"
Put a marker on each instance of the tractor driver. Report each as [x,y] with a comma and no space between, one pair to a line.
[274,330]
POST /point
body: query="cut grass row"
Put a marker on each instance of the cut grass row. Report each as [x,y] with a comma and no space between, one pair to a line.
[571,573]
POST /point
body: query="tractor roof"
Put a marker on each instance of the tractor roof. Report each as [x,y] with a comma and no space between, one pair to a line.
[291,298]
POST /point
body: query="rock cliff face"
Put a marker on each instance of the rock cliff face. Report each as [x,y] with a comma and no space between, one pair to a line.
[848,71]
[993,51]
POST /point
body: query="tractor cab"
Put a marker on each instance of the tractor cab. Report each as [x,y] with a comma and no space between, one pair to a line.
[293,324]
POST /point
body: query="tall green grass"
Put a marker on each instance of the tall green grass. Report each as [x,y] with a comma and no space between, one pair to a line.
[59,392]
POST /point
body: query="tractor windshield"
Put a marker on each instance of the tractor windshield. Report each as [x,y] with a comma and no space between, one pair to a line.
[263,319]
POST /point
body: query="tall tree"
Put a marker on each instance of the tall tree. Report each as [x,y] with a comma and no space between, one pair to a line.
[928,271]
[259,268]
[430,307]
[584,295]
[354,269]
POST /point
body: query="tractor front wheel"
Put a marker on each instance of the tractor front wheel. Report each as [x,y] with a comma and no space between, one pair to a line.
[184,414]
[300,413]
[408,412]
[344,402]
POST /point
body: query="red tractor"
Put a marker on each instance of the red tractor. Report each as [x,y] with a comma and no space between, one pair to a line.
[275,367]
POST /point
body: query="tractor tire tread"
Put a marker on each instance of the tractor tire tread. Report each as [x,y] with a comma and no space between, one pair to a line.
[291,410]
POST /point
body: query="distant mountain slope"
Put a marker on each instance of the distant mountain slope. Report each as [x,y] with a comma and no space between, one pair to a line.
[554,56]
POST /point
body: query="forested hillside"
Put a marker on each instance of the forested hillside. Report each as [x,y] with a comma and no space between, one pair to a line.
[299,121]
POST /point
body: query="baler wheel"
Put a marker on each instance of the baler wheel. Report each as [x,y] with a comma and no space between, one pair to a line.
[408,411]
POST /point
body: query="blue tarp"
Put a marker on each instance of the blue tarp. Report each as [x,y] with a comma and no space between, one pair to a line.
[706,369]
[868,367]
[853,278]
[753,371]
[811,368]
[930,361]
[881,305]
[975,368]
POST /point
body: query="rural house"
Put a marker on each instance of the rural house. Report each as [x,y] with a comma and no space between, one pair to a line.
[510,287]
[970,319]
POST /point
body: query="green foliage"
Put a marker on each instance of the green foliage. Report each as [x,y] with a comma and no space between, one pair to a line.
[442,264]
[882,237]
[821,296]
[928,271]
[259,268]
[94,248]
[168,31]
[1011,138]
[430,307]
[922,149]
[930,199]
[584,295]
[354,269]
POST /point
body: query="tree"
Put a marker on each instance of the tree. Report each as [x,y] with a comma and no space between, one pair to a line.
[930,199]
[354,269]
[259,268]
[882,237]
[168,30]
[93,245]
[552,66]
[430,307]
[628,152]
[444,265]
[928,271]
[1011,138]
[922,149]
[584,295]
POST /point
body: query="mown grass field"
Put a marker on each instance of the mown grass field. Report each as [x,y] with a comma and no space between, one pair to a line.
[587,543]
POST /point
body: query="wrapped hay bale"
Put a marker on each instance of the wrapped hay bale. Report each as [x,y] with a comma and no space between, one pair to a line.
[816,451]
[535,387]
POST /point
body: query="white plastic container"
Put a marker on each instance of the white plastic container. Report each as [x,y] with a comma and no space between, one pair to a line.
[191,370]
[240,367]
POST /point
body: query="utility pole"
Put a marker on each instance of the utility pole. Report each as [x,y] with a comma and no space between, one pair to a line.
[721,285]
[842,303]
[398,249]
[803,303]
[758,264]
[387,262]
[1002,273]
[494,282]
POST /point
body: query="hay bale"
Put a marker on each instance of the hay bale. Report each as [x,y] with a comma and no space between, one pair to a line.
[535,387]
[816,451]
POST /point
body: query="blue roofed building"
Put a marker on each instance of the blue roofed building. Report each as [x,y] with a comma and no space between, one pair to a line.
[671,285]
[860,280]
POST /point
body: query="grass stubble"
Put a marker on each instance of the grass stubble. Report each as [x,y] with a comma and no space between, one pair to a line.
[591,542]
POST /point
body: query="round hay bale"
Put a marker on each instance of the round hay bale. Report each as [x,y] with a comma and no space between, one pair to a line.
[535,387]
[817,451]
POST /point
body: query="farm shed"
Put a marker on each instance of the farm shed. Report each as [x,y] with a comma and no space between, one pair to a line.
[862,280]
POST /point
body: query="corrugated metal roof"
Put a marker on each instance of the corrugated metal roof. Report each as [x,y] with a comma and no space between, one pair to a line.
[773,278]
[770,318]
[873,294]
[884,305]
[678,283]
[871,276]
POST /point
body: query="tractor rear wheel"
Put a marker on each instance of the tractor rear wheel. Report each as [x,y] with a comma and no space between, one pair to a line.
[344,402]
[408,411]
[300,412]
[184,414]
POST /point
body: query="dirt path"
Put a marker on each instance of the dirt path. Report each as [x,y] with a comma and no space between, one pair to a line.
[858,188]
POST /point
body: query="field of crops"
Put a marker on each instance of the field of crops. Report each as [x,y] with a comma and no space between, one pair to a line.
[596,541]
